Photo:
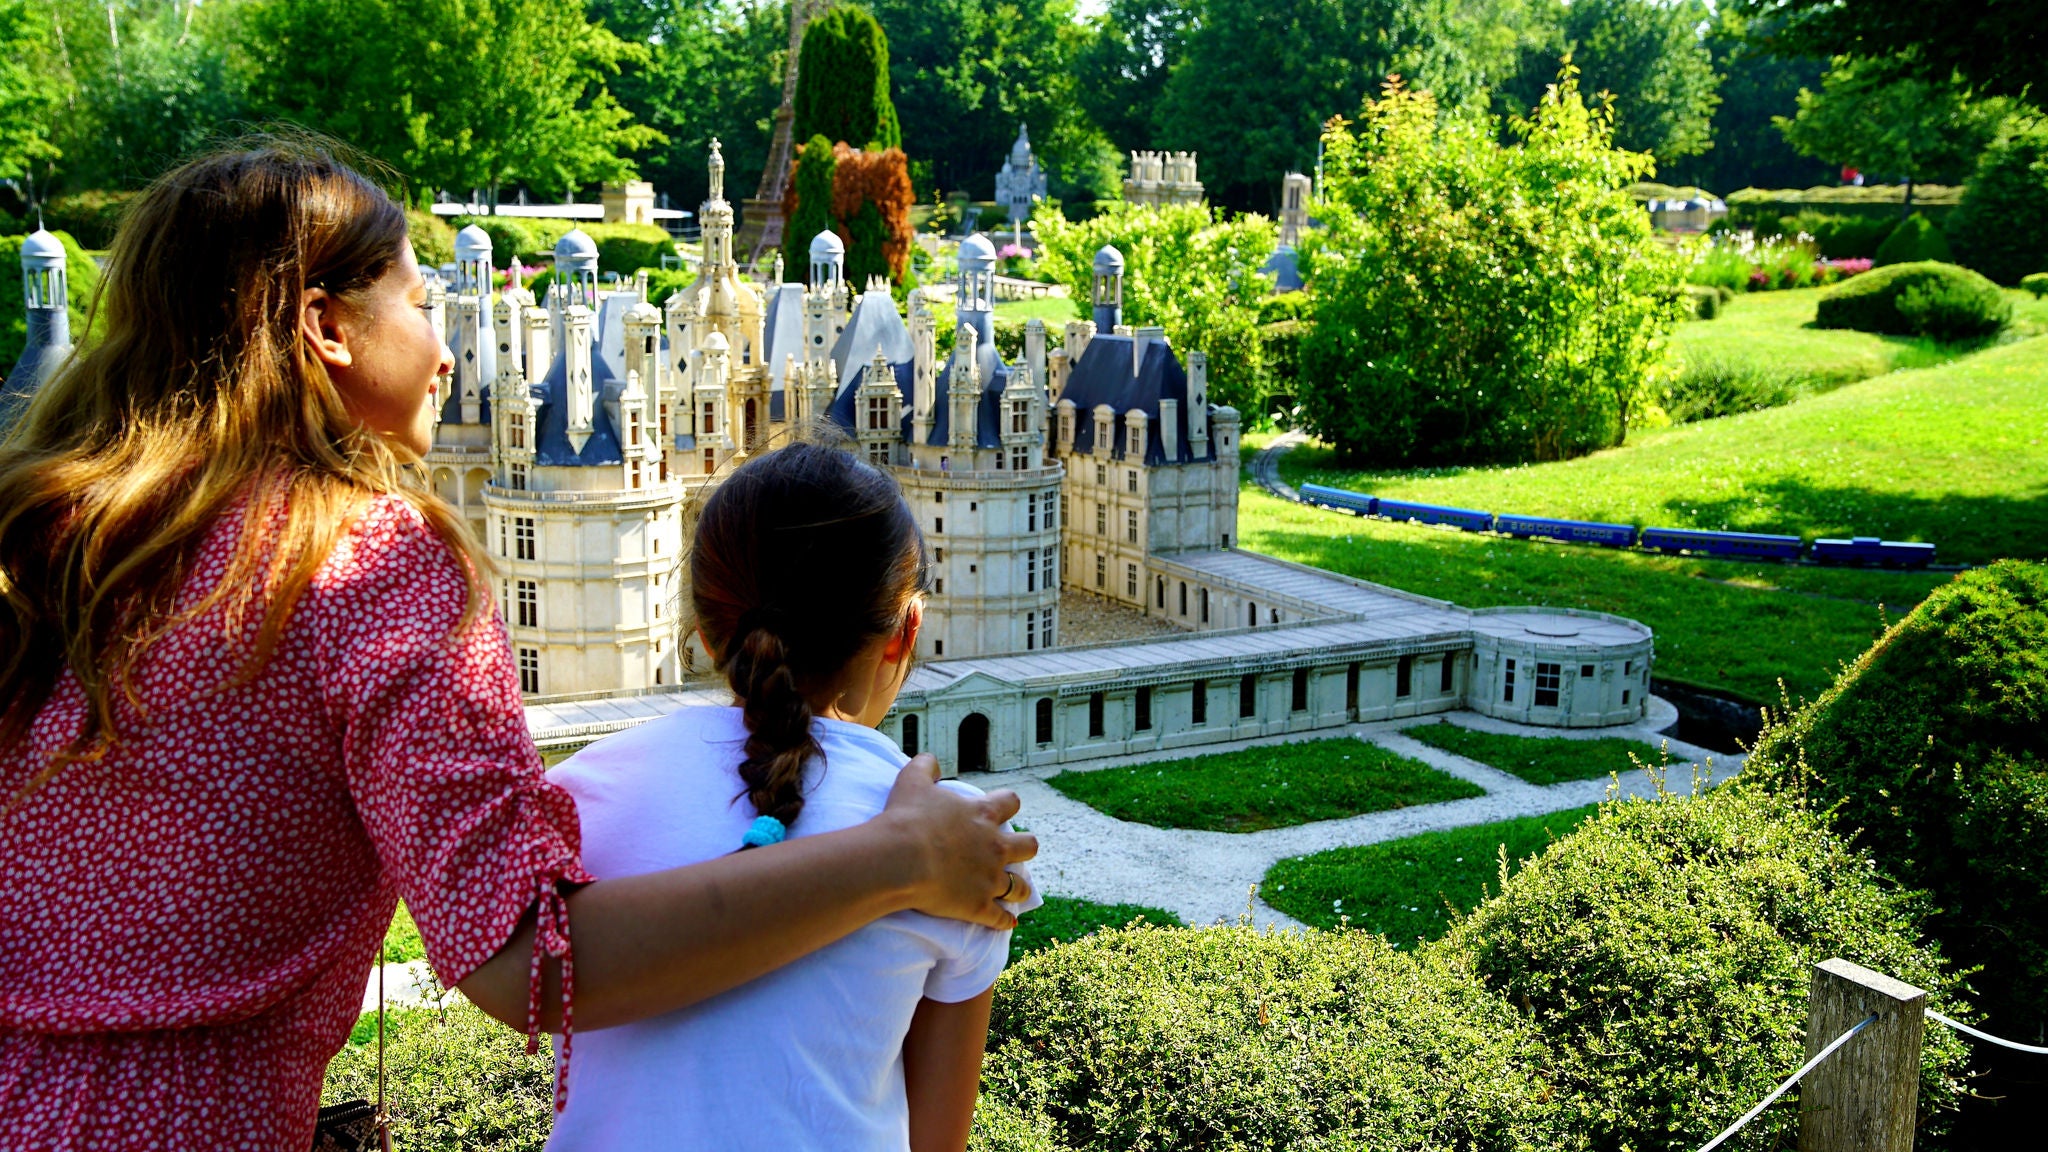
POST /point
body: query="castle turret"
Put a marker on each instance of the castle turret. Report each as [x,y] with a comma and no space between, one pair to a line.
[512,411]
[879,411]
[1198,403]
[963,393]
[44,291]
[575,279]
[578,344]
[975,303]
[1109,289]
[924,369]
[828,262]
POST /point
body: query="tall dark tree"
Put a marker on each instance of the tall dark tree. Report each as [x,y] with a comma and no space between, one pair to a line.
[28,95]
[1997,47]
[808,204]
[1261,76]
[1756,87]
[1124,65]
[842,86]
[713,68]
[1650,55]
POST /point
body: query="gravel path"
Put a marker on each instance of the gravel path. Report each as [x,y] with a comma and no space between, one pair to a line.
[1204,877]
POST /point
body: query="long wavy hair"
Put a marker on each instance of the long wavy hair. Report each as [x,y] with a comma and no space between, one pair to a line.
[199,396]
[802,557]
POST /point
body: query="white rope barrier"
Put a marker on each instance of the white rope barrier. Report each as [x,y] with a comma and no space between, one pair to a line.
[1781,1089]
[1987,1037]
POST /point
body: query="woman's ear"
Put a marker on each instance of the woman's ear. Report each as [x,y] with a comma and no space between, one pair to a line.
[320,324]
[904,643]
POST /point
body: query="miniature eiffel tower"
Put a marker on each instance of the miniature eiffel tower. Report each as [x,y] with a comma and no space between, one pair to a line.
[761,218]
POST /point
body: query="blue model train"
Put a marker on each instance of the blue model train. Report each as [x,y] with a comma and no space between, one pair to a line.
[1866,550]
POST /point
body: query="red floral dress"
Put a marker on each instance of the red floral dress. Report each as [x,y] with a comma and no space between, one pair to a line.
[187,925]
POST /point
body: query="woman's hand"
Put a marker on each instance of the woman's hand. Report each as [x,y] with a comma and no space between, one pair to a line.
[960,845]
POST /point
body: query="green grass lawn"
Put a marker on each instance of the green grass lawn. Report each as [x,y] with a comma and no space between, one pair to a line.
[1728,625]
[402,943]
[1064,918]
[1054,310]
[1540,759]
[1770,329]
[1257,788]
[1956,454]
[1399,888]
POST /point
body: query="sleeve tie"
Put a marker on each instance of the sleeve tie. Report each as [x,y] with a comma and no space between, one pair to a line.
[551,938]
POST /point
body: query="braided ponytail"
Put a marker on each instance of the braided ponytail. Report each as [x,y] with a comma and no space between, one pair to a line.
[799,560]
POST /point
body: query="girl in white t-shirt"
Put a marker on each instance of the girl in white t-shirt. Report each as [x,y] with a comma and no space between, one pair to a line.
[806,577]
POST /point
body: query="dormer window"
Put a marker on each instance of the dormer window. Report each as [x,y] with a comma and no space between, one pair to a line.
[1020,416]
[878,413]
[515,432]
[1134,446]
[519,477]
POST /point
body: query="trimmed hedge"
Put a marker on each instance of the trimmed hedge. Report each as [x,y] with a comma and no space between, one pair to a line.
[1231,1038]
[1838,235]
[1922,298]
[621,248]
[1760,208]
[1915,238]
[2001,227]
[1665,949]
[81,278]
[1933,748]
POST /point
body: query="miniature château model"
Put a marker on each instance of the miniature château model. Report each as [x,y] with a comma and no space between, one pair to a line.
[575,428]
[44,292]
[1161,178]
[1019,182]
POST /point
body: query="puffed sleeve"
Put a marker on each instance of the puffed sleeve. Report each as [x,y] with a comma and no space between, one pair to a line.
[444,773]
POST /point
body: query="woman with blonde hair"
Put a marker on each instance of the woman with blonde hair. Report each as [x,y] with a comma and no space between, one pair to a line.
[253,691]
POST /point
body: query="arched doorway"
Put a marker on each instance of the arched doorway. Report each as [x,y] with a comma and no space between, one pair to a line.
[973,746]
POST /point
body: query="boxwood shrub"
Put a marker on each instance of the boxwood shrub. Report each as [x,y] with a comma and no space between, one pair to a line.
[621,248]
[1915,238]
[1232,1038]
[1923,298]
[1934,747]
[456,1080]
[2036,283]
[1665,951]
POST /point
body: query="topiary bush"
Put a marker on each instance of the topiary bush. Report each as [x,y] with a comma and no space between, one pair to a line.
[81,279]
[1906,299]
[1231,1038]
[1665,951]
[2001,227]
[456,1080]
[1933,748]
[1916,238]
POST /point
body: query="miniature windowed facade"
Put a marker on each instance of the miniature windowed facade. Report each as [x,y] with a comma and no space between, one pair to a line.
[1043,720]
[528,603]
[1548,678]
[529,671]
[1095,714]
[1404,677]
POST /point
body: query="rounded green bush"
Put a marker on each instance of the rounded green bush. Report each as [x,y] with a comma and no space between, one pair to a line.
[2037,283]
[1933,748]
[1665,951]
[1916,238]
[1924,298]
[1232,1038]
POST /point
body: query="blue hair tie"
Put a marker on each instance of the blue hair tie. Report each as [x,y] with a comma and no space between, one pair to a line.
[764,830]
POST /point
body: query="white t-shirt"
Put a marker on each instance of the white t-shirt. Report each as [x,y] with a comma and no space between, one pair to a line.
[808,1056]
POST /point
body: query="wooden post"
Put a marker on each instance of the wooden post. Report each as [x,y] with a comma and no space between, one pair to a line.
[1866,1096]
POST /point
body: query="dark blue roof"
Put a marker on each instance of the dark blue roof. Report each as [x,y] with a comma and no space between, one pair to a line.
[988,413]
[1285,270]
[607,380]
[1103,376]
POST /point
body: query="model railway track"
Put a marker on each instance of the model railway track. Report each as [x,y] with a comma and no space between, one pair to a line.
[1858,551]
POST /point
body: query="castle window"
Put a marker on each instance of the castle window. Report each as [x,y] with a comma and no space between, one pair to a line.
[1131,581]
[1134,444]
[1159,592]
[1251,615]
[661,421]
[1547,678]
[1205,605]
[518,477]
[632,427]
[515,431]
[523,537]
[1030,631]
[1031,571]
[910,734]
[1273,615]
[1351,686]
[1627,667]
[664,469]
[1101,474]
[939,586]
[878,455]
[1143,722]
[939,555]
[633,474]
[1020,416]
[1101,571]
[529,604]
[529,671]
[1131,525]
[938,525]
[1049,524]
[1183,597]
[939,497]
[1045,619]
[1020,458]
[710,461]
[1095,714]
[1586,671]
[1404,676]
[1031,511]
[1201,702]
[1101,519]
[1624,697]
[938,647]
[1443,680]
[710,418]
[502,551]
[1247,696]
[878,413]
[1131,480]
[1051,580]
[1298,699]
[1507,684]
[1044,720]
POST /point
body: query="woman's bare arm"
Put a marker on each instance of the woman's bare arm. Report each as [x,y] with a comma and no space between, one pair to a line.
[942,1071]
[644,945]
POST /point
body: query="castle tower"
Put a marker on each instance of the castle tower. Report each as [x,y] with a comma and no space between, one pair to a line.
[44,291]
[1294,189]
[828,263]
[975,304]
[515,430]
[924,368]
[878,408]
[472,339]
[1109,289]
[963,394]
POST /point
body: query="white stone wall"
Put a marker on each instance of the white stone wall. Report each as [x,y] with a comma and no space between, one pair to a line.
[989,535]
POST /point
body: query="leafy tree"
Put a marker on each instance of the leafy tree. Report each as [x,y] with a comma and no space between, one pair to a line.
[808,204]
[1867,118]
[2001,227]
[453,93]
[842,86]
[27,94]
[967,72]
[1481,302]
[1260,76]
[1649,55]
[1756,87]
[711,68]
[1124,64]
[1188,270]
[1997,47]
